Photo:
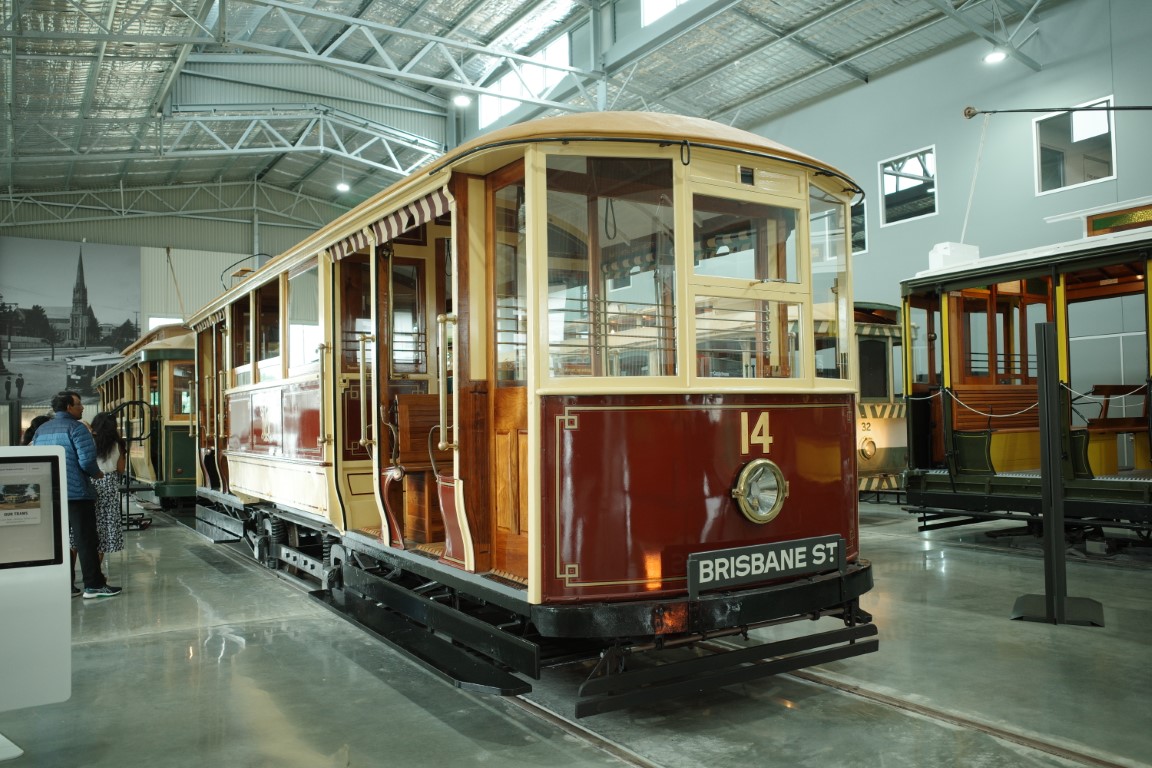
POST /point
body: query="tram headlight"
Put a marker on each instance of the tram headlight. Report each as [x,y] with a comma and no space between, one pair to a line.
[760,490]
[867,448]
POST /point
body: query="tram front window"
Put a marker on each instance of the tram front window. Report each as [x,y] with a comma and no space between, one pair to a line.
[611,275]
[746,338]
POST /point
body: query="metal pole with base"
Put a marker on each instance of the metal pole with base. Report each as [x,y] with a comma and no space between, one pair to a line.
[8,750]
[1054,606]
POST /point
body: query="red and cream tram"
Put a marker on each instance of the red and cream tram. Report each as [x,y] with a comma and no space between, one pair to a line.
[585,385]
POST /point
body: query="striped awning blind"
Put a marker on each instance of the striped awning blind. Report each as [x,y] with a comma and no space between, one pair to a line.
[207,322]
[412,215]
[396,223]
[354,242]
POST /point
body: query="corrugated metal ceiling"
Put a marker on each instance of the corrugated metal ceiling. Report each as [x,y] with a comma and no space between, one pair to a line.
[106,96]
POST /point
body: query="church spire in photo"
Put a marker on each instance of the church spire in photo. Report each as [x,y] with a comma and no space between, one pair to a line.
[78,318]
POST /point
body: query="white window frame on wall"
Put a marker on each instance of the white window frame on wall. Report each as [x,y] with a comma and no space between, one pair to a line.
[1037,146]
[935,182]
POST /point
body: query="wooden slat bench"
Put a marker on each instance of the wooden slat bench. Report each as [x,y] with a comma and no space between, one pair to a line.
[996,428]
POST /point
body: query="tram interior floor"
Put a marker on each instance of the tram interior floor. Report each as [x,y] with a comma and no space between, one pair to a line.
[208,659]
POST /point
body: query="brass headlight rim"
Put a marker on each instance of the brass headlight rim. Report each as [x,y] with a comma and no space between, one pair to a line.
[740,491]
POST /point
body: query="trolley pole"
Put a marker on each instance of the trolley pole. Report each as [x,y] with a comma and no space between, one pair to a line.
[1054,606]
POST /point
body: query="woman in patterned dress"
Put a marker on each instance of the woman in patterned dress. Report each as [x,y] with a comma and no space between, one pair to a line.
[110,456]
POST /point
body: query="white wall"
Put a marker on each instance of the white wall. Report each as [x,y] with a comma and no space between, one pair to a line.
[1087,49]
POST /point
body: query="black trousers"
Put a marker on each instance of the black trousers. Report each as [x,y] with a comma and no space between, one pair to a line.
[82,524]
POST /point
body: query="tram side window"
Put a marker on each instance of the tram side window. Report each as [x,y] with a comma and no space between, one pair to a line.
[355,310]
[409,336]
[997,327]
[181,388]
[242,341]
[611,274]
[828,246]
[304,318]
[268,331]
[924,321]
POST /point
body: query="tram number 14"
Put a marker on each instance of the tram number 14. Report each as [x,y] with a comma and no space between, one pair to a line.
[754,434]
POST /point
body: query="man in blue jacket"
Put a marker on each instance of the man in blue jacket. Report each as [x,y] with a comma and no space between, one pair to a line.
[66,430]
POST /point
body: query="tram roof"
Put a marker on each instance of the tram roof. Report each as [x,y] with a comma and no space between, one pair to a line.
[641,127]
[1033,262]
[172,336]
[636,126]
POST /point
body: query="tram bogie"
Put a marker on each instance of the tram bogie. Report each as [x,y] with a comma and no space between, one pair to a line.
[585,387]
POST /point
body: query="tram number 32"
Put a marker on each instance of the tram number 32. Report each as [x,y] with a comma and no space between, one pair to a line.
[754,433]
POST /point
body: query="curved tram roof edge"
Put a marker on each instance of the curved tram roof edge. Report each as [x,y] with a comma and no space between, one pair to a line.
[591,126]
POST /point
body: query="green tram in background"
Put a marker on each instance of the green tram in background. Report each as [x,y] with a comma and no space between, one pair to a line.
[971,361]
[150,393]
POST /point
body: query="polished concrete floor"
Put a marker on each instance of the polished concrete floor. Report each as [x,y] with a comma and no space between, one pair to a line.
[208,660]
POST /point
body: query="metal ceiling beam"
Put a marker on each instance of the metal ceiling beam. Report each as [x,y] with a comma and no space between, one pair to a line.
[437,53]
[1002,41]
[260,131]
[203,202]
[232,68]
[765,93]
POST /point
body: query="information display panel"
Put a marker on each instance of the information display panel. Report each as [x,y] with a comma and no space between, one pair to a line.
[35,603]
[30,510]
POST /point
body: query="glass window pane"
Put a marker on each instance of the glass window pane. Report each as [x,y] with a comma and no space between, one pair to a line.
[356,313]
[409,336]
[827,217]
[611,274]
[241,331]
[182,374]
[734,238]
[511,289]
[747,338]
[304,318]
[859,228]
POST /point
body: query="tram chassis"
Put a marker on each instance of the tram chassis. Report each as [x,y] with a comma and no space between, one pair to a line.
[943,501]
[480,634]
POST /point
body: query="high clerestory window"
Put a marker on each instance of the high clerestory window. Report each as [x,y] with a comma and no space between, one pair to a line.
[908,184]
[651,10]
[1075,147]
[529,83]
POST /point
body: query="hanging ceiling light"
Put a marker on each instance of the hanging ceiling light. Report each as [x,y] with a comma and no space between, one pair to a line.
[461,99]
[995,56]
[342,187]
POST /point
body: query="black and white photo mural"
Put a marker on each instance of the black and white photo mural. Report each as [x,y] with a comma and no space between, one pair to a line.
[66,311]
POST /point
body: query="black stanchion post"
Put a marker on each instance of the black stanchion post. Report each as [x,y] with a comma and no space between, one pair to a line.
[1054,606]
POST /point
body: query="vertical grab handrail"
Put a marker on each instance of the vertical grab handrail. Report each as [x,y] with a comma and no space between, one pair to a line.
[365,441]
[442,322]
[323,439]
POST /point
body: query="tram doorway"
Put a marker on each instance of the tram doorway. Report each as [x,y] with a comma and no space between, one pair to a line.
[509,334]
